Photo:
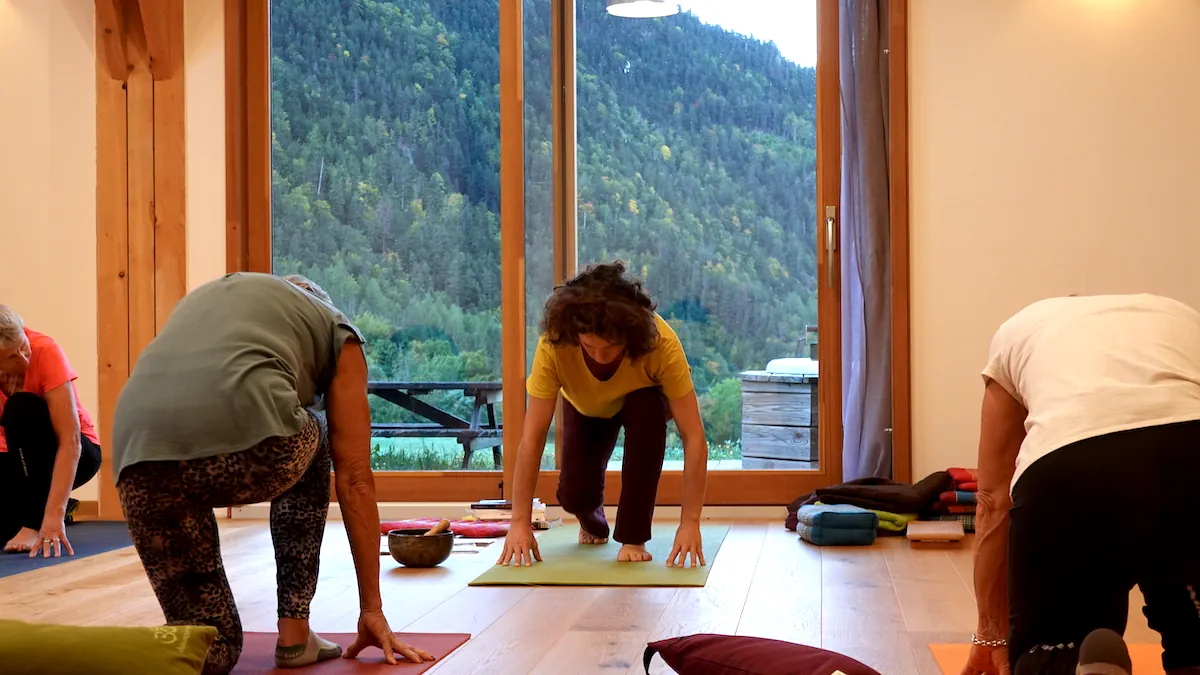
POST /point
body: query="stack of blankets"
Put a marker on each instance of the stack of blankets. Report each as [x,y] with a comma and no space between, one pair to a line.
[958,503]
[836,525]
[895,505]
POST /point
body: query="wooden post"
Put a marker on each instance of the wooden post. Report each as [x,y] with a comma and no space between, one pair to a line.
[141,202]
[512,231]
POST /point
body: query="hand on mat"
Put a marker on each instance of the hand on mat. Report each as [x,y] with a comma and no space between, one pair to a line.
[689,547]
[520,547]
[373,631]
[52,540]
[987,661]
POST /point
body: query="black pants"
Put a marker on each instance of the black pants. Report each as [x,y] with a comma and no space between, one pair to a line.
[1089,522]
[588,443]
[26,469]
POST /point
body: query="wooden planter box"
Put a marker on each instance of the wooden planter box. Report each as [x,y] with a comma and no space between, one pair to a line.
[779,421]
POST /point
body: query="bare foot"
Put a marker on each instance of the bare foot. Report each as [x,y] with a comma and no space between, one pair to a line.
[633,553]
[585,538]
[25,540]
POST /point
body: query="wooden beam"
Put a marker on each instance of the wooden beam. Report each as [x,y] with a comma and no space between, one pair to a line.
[512,231]
[170,169]
[829,187]
[140,150]
[247,136]
[112,259]
[258,134]
[898,188]
[163,41]
[236,216]
[111,36]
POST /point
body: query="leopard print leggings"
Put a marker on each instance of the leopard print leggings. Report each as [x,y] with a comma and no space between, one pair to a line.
[169,508]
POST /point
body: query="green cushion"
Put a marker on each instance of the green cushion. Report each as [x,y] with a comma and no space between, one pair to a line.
[40,649]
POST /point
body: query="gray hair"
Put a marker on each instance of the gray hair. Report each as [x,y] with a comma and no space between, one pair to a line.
[12,328]
[310,286]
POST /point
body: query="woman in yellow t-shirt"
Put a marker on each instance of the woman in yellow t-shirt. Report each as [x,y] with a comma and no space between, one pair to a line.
[617,365]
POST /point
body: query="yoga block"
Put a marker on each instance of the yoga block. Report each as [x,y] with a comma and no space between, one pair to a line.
[943,531]
[838,517]
[829,536]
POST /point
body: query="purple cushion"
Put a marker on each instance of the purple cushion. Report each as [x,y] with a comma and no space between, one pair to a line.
[738,655]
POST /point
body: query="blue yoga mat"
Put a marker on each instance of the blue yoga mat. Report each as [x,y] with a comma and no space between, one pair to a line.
[87,538]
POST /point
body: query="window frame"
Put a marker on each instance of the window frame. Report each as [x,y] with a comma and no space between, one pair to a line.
[248,242]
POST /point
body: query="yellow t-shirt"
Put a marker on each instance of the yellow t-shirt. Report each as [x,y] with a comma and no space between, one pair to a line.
[563,369]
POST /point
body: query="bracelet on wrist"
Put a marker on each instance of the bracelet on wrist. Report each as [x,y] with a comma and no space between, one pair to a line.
[980,642]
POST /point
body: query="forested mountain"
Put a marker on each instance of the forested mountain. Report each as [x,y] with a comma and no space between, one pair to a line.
[696,166]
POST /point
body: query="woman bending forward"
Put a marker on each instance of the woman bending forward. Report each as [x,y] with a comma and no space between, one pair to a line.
[219,411]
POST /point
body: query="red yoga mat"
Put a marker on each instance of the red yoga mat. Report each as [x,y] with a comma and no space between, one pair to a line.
[258,655]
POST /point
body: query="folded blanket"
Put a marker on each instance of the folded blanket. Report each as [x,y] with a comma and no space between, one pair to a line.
[877,494]
[969,486]
[831,536]
[837,516]
[895,522]
[963,475]
[957,497]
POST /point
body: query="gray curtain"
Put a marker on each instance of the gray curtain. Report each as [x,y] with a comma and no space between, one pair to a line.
[865,241]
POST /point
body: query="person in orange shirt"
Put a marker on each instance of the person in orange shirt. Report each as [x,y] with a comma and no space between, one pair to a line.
[48,444]
[617,364]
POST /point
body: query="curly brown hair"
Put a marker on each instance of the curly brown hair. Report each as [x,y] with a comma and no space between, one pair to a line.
[602,301]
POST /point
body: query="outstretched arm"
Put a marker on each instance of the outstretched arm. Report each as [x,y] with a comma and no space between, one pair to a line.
[688,545]
[520,546]
[686,411]
[349,414]
[1002,430]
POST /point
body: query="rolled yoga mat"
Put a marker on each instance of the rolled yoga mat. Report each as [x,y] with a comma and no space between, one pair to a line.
[1147,659]
[566,562]
[258,655]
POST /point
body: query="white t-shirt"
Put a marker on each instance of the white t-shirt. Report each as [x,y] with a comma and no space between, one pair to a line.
[1093,365]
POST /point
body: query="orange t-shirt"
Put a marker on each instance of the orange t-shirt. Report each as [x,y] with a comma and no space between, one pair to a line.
[49,370]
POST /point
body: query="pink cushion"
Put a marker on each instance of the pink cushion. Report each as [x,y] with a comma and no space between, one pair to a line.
[738,655]
[468,529]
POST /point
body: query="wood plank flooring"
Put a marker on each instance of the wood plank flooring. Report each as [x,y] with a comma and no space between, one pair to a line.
[882,605]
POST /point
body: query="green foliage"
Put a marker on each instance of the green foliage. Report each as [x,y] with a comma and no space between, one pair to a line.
[696,165]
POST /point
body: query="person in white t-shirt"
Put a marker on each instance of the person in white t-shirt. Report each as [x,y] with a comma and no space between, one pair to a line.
[1089,456]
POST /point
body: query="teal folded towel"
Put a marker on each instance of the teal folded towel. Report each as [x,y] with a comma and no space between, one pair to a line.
[831,536]
[837,516]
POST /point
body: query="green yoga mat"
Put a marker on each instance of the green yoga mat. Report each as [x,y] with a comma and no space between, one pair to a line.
[566,562]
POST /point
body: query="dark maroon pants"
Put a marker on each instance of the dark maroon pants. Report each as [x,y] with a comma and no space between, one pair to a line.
[588,444]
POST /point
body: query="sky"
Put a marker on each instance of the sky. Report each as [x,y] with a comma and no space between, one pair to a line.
[790,24]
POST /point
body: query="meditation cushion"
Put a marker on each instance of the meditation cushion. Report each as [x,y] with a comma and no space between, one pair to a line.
[837,516]
[40,649]
[707,654]
[829,536]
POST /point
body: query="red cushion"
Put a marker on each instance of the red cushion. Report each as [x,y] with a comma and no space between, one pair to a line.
[740,655]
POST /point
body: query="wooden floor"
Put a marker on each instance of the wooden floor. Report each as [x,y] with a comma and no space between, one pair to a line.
[882,605]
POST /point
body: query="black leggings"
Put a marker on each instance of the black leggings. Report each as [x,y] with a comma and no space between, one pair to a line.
[26,469]
[1089,522]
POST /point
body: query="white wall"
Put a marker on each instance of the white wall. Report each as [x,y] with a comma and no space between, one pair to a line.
[1055,150]
[48,177]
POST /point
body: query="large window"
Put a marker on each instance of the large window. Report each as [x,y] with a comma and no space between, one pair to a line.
[700,148]
[386,192]
[697,167]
